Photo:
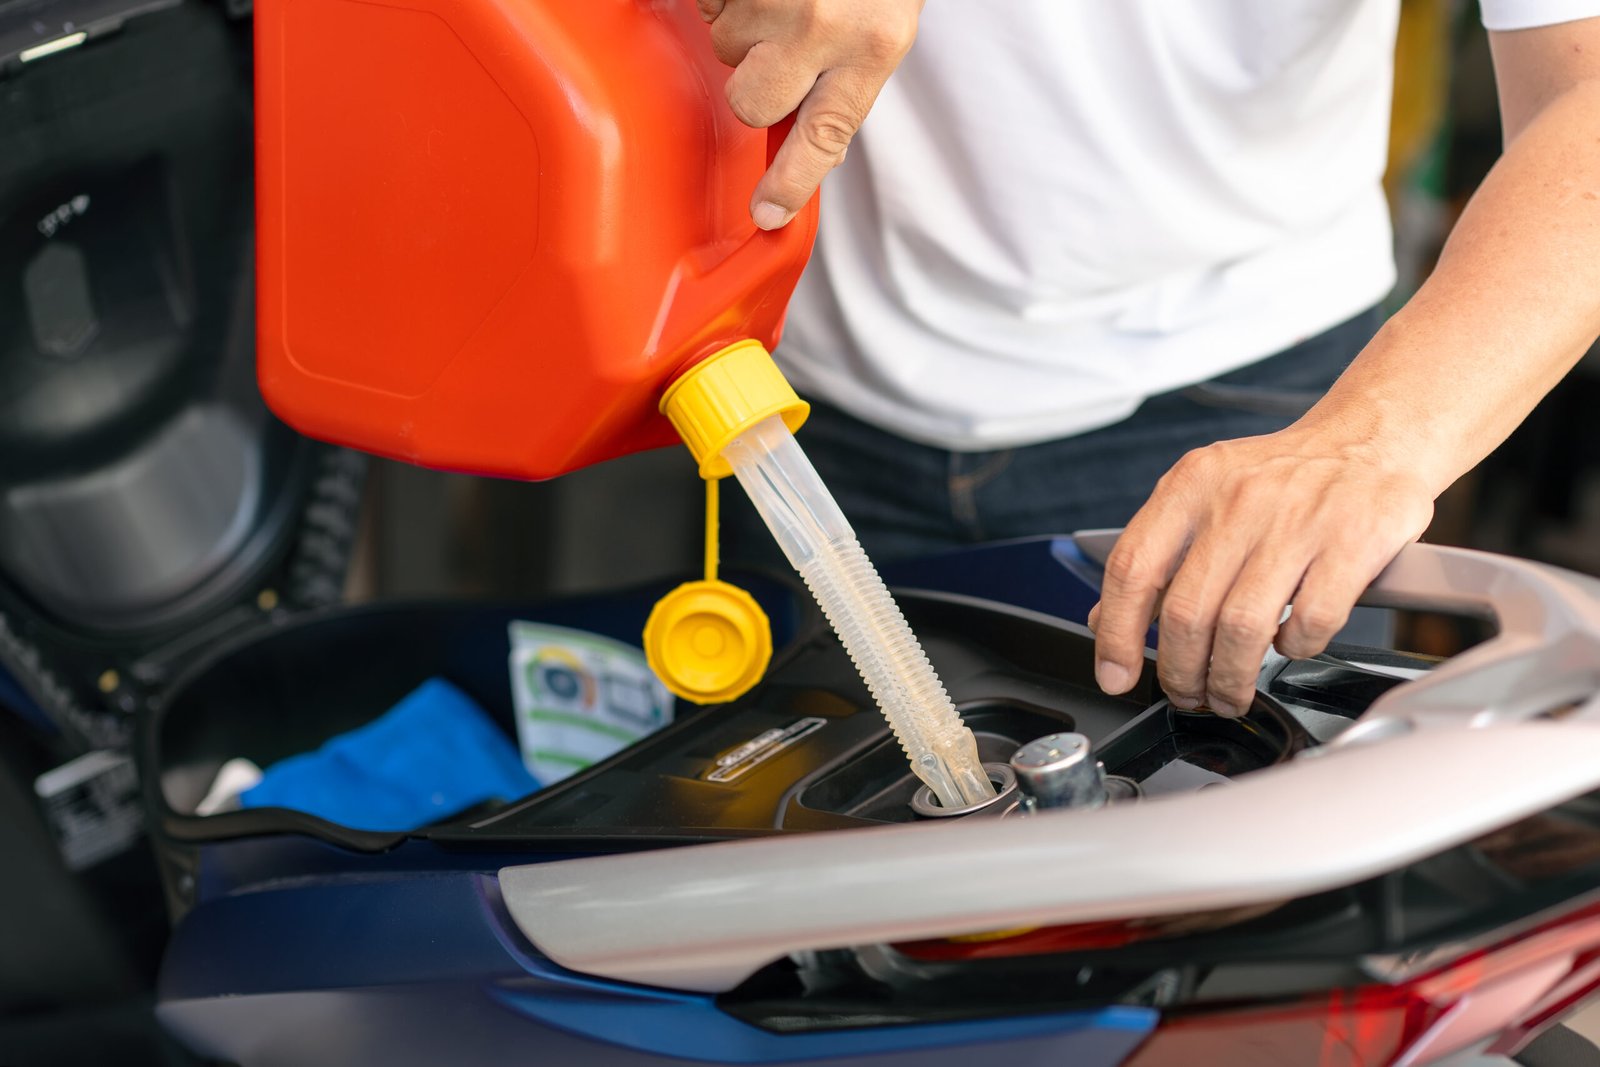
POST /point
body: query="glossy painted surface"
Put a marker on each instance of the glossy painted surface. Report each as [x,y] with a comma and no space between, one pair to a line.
[406,967]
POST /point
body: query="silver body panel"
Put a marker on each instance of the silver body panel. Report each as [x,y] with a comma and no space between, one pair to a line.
[1422,771]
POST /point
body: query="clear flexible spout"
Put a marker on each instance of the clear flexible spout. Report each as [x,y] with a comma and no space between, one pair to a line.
[818,540]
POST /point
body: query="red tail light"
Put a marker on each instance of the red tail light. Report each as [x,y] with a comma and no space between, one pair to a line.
[1508,992]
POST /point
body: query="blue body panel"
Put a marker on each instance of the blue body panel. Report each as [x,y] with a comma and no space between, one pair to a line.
[339,967]
[1044,574]
[461,1025]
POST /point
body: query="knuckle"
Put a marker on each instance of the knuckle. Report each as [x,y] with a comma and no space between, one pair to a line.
[828,133]
[1245,622]
[1177,478]
[1192,468]
[1316,620]
[887,41]
[821,23]
[1298,646]
[1128,566]
[725,45]
[1182,618]
[745,107]
[1255,494]
[1200,459]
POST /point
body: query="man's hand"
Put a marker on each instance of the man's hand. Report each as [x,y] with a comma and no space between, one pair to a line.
[1235,532]
[1311,515]
[825,58]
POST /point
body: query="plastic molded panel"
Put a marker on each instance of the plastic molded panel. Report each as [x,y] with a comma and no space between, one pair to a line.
[491,234]
[433,159]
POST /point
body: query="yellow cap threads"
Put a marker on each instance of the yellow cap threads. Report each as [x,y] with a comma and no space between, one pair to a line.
[720,398]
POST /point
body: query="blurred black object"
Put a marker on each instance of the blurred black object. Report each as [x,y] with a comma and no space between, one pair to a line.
[149,504]
[1560,1046]
[1539,493]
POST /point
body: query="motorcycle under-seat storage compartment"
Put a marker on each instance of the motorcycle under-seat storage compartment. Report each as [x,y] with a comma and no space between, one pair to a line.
[289,688]
[806,750]
[561,923]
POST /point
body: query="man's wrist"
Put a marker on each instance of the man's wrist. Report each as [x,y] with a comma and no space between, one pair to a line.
[1372,418]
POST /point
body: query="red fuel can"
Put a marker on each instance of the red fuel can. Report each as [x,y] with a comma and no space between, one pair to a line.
[492,232]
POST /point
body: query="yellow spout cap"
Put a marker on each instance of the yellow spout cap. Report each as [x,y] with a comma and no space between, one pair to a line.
[720,398]
[708,641]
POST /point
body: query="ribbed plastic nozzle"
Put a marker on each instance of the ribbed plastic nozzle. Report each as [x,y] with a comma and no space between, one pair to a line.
[814,534]
[735,412]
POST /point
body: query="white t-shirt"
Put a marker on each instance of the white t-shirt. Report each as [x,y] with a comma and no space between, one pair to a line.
[1060,207]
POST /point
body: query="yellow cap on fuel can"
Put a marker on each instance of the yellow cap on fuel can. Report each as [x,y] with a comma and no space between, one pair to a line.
[724,395]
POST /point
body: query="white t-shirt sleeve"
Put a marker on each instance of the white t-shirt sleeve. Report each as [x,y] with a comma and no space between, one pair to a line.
[1524,14]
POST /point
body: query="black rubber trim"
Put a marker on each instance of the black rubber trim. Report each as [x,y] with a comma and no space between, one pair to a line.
[1560,1046]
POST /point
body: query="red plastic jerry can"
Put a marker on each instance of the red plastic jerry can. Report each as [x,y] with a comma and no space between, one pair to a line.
[491,232]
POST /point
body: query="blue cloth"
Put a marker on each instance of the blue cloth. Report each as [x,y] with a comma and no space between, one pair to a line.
[433,754]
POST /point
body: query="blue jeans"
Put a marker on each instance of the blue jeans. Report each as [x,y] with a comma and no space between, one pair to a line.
[907,499]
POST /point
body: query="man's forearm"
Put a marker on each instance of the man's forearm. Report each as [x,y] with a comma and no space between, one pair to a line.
[1512,305]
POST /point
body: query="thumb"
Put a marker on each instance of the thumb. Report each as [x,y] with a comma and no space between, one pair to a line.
[827,120]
